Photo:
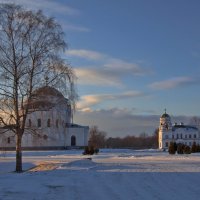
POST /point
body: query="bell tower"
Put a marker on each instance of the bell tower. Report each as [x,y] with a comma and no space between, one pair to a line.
[165,128]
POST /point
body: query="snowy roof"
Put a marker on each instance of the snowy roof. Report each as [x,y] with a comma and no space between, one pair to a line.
[47,91]
[184,126]
[45,98]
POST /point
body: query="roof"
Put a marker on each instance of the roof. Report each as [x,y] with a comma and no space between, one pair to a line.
[184,126]
[47,91]
[165,115]
[45,98]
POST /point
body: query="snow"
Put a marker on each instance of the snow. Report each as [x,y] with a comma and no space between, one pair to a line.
[112,174]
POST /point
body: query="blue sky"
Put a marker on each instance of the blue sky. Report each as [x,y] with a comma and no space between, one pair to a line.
[132,58]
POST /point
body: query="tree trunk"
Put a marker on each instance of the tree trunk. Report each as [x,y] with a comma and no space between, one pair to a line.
[19,153]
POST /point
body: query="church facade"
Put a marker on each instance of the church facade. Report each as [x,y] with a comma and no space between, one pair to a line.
[179,133]
[48,124]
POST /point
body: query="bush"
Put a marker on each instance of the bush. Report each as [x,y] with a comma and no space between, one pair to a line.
[180,148]
[194,148]
[187,150]
[90,150]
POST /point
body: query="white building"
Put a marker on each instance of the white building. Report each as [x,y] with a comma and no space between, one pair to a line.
[48,124]
[178,133]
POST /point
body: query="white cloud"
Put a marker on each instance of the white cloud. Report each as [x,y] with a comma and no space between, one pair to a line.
[124,67]
[88,76]
[172,83]
[105,70]
[86,54]
[52,8]
[87,101]
[72,27]
[120,122]
[48,5]
[108,63]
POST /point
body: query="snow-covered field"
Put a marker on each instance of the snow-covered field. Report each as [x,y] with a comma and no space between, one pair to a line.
[110,175]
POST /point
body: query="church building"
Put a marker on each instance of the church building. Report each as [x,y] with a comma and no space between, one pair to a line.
[48,124]
[179,133]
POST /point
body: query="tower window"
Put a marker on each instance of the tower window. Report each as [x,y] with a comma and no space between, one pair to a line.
[48,123]
[57,123]
[39,123]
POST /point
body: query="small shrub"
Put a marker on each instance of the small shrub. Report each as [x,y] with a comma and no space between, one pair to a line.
[180,148]
[187,150]
[194,148]
[89,150]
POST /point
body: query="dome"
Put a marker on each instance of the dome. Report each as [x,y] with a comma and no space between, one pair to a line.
[165,115]
[45,98]
[47,91]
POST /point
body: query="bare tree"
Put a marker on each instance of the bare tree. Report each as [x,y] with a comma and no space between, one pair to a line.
[30,47]
[97,138]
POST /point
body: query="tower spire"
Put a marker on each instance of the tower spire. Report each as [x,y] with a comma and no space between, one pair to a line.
[165,111]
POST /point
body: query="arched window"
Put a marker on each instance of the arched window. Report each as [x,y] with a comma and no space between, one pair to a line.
[57,123]
[39,123]
[48,123]
[73,140]
[29,123]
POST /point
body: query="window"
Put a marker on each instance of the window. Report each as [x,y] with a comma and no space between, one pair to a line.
[48,123]
[166,144]
[185,136]
[176,136]
[73,140]
[29,123]
[57,123]
[8,140]
[195,136]
[172,136]
[181,135]
[39,123]
[166,136]
[190,136]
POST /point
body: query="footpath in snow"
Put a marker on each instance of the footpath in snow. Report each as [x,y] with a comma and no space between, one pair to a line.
[113,174]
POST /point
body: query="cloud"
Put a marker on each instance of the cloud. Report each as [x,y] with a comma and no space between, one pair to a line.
[86,54]
[87,101]
[108,63]
[53,8]
[173,83]
[123,67]
[97,77]
[72,27]
[104,70]
[48,5]
[120,122]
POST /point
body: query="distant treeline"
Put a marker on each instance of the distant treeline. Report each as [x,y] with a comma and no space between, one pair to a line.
[132,142]
[98,139]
